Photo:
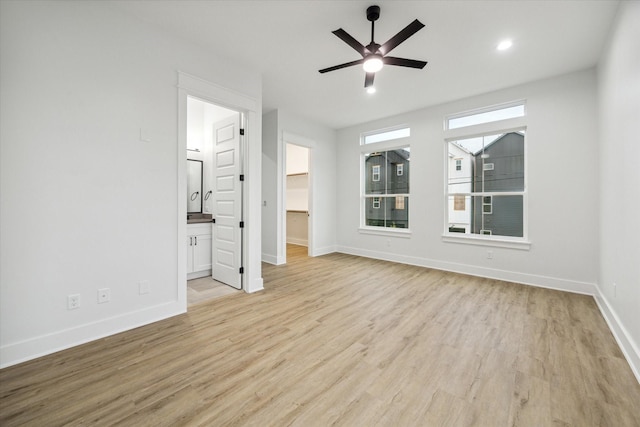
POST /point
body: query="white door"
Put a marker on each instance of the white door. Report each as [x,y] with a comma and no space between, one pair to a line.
[227,202]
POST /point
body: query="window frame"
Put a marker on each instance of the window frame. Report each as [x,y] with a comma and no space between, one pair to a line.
[496,127]
[387,145]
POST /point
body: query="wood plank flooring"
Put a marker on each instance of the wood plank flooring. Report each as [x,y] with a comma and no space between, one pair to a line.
[342,340]
[205,289]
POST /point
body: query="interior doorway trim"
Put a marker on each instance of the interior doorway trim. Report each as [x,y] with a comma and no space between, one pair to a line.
[292,138]
[251,152]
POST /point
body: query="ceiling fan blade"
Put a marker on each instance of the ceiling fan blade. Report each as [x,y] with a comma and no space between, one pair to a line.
[346,37]
[412,63]
[368,80]
[407,32]
[337,67]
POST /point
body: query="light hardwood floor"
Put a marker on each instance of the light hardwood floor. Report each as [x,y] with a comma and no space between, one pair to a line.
[348,341]
[205,289]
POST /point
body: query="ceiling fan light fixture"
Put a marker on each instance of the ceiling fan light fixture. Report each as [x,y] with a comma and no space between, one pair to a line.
[505,44]
[372,63]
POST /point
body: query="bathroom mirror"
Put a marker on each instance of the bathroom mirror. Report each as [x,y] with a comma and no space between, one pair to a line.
[194,186]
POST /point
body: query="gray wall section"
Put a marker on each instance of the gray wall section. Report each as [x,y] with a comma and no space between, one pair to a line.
[507,155]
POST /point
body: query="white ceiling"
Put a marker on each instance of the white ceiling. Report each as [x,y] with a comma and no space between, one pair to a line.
[289,41]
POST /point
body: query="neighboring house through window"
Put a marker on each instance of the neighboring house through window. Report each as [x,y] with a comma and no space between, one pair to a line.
[386,162]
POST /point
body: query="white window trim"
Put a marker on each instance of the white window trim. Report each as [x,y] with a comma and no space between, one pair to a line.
[374,202]
[486,109]
[489,241]
[385,231]
[384,130]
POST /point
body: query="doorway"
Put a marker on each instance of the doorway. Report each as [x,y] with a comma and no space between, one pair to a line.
[297,194]
[214,198]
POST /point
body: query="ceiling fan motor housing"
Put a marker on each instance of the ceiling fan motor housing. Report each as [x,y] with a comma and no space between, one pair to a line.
[373,13]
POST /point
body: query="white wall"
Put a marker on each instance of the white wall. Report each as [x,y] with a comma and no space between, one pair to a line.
[561,157]
[619,99]
[322,183]
[85,203]
[270,223]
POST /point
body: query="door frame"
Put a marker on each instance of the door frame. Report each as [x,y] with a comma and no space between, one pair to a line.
[292,138]
[251,157]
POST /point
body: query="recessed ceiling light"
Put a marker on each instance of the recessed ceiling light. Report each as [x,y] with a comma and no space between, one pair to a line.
[505,44]
[371,89]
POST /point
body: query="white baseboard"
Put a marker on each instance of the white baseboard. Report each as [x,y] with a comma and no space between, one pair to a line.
[299,242]
[256,286]
[323,251]
[270,259]
[199,274]
[626,343]
[490,273]
[19,352]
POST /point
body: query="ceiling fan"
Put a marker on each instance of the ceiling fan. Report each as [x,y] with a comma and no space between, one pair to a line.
[373,54]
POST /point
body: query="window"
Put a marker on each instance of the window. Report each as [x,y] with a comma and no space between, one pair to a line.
[386,191]
[386,135]
[486,115]
[458,165]
[489,198]
[375,173]
[487,204]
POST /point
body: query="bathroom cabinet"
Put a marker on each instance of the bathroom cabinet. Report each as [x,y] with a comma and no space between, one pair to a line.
[199,250]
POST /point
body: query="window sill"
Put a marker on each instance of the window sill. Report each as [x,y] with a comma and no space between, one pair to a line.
[394,232]
[496,242]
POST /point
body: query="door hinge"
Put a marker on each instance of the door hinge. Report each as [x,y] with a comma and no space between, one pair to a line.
[241,131]
[241,270]
[241,224]
[213,220]
[241,177]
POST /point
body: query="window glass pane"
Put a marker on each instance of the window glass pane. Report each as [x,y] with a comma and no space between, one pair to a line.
[486,117]
[392,213]
[387,136]
[374,173]
[381,172]
[487,164]
[496,215]
[398,183]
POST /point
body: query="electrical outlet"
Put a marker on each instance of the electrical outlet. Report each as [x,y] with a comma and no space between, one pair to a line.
[73,301]
[489,254]
[104,295]
[144,287]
